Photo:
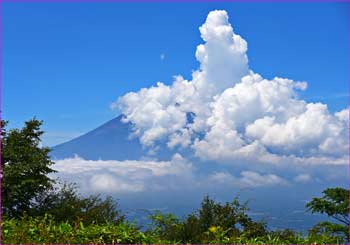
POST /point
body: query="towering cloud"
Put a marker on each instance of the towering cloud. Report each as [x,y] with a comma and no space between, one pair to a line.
[228,112]
[223,59]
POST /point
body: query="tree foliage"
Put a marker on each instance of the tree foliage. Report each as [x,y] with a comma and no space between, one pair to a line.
[64,204]
[25,167]
[229,218]
[27,188]
[334,203]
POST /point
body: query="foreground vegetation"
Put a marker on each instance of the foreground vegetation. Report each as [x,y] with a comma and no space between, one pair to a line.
[212,223]
[39,230]
[40,210]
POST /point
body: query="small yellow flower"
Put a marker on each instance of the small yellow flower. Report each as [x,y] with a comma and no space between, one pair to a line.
[213,229]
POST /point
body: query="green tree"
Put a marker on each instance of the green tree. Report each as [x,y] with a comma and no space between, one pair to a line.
[231,217]
[26,187]
[25,165]
[64,204]
[334,203]
[210,220]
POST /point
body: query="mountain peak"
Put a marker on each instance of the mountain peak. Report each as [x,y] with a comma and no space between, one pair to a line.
[108,141]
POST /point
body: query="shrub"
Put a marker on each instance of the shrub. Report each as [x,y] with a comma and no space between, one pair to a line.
[46,230]
[65,204]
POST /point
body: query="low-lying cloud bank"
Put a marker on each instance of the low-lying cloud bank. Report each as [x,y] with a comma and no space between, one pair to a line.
[177,174]
[151,176]
[126,176]
[235,114]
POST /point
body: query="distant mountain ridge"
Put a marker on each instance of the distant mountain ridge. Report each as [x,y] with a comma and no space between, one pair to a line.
[112,141]
[109,141]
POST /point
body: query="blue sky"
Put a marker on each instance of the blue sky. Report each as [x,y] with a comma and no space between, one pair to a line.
[65,63]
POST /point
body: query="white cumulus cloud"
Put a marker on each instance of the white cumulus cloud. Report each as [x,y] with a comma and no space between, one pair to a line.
[238,114]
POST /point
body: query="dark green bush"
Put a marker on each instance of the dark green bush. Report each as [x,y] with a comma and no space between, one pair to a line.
[229,218]
[65,204]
